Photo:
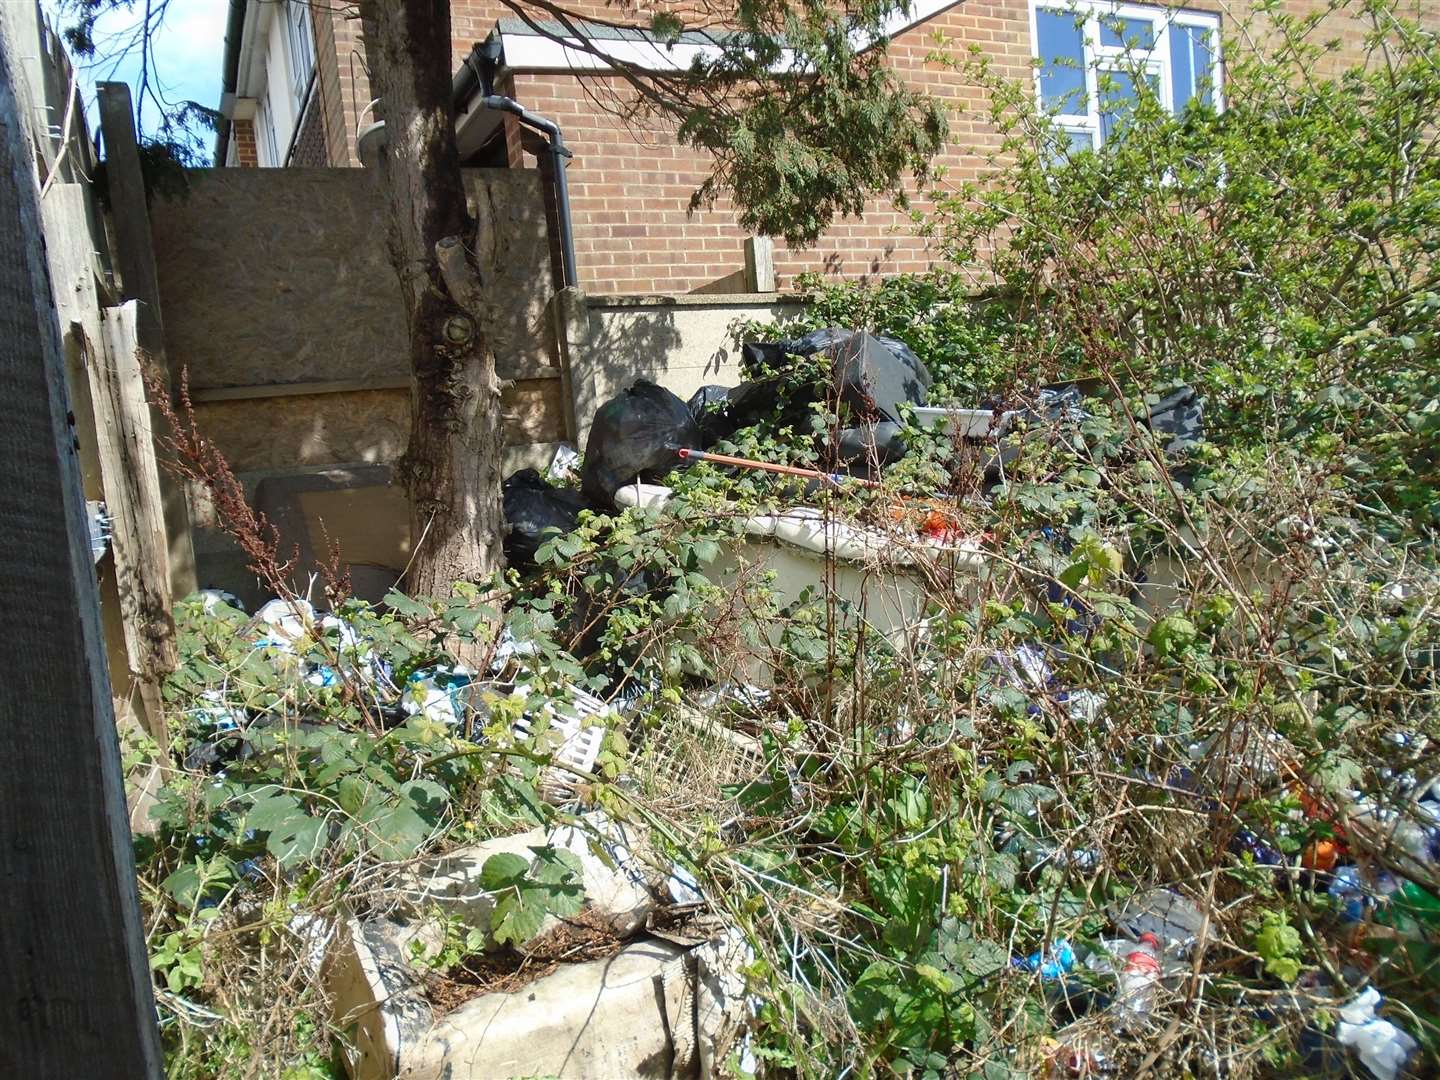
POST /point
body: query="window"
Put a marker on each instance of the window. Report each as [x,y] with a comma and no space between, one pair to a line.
[301,43]
[1097,57]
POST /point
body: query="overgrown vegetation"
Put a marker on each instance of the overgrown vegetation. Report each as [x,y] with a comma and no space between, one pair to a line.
[1209,670]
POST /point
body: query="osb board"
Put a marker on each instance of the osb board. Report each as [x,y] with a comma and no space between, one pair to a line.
[261,434]
[313,429]
[282,276]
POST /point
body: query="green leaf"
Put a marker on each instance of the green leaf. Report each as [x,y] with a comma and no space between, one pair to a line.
[427,798]
[517,917]
[298,841]
[393,832]
[981,958]
[273,812]
[184,885]
[1172,635]
[401,604]
[555,866]
[503,871]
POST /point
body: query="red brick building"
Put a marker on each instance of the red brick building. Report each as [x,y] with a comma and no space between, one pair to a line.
[297,94]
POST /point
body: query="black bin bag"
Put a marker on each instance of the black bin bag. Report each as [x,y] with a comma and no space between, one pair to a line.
[635,436]
[532,510]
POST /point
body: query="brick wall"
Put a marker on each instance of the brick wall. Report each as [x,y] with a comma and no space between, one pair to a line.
[329,89]
[343,85]
[311,151]
[246,156]
[631,183]
[630,186]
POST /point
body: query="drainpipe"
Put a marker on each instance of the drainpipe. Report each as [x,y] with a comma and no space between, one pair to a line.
[558,154]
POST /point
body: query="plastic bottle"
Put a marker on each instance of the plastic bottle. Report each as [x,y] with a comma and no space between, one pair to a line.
[1138,978]
[1411,910]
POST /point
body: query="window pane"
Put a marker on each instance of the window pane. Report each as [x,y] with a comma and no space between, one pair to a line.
[1127,33]
[1119,94]
[1062,61]
[1069,142]
[1182,70]
[1204,63]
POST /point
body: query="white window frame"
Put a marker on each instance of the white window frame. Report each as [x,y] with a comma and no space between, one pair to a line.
[267,148]
[300,44]
[1098,57]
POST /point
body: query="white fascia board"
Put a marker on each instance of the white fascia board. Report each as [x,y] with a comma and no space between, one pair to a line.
[254,34]
[534,52]
[900,21]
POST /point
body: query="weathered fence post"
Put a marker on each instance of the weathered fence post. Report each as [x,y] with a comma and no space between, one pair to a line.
[132,488]
[759,264]
[139,281]
[74,985]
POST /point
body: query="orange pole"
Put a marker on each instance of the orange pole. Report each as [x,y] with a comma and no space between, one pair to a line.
[787,470]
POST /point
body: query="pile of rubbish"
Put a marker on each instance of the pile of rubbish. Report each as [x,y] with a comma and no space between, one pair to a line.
[1115,986]
[658,979]
[646,432]
[670,989]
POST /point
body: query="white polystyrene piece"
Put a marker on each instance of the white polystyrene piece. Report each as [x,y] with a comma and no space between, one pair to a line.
[969,423]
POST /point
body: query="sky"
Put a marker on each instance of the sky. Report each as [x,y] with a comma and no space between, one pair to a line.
[187,52]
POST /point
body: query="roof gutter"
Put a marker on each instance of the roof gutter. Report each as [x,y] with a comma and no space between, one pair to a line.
[234,31]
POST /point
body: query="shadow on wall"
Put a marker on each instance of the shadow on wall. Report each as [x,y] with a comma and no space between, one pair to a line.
[834,265]
[621,345]
[681,343]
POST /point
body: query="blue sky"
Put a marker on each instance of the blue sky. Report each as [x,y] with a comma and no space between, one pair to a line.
[187,51]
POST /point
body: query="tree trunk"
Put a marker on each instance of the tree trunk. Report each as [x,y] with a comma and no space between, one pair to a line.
[451,468]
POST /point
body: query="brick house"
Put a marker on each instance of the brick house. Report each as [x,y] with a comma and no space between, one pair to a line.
[297,94]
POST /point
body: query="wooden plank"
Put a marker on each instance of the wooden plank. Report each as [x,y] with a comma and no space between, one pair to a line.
[135,254]
[570,318]
[24,23]
[135,260]
[64,211]
[75,986]
[69,247]
[126,445]
[524,369]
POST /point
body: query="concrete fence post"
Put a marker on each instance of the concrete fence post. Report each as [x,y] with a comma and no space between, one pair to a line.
[571,317]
